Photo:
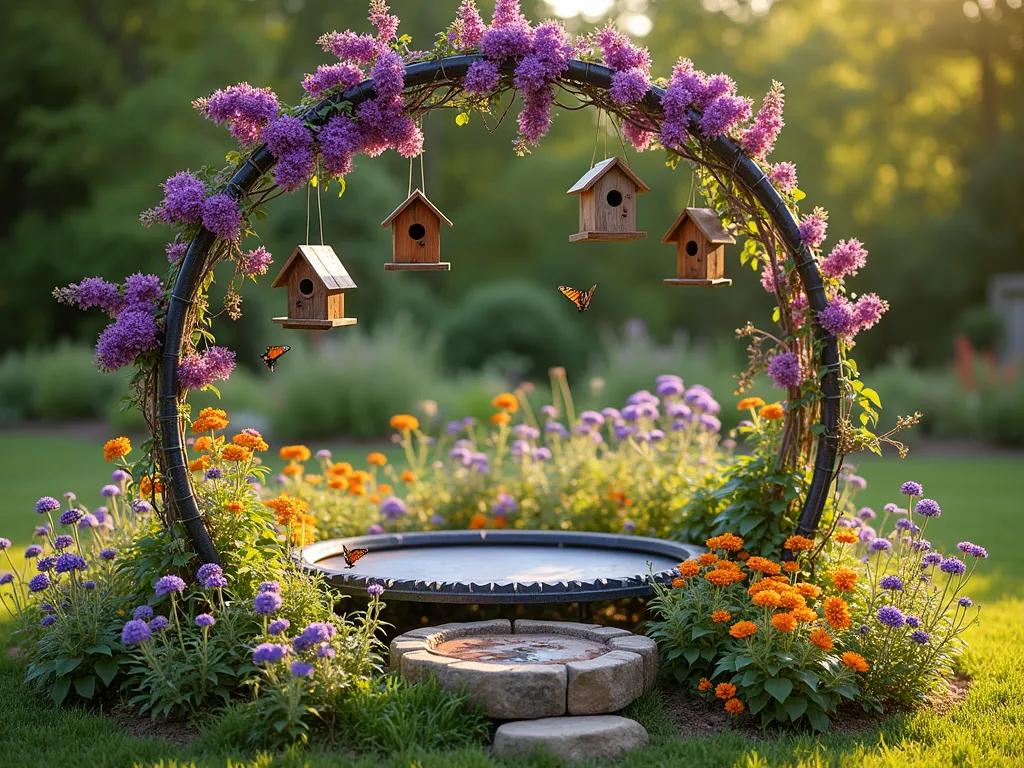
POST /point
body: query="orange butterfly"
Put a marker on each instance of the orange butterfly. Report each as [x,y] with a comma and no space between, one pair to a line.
[580,298]
[352,555]
[272,354]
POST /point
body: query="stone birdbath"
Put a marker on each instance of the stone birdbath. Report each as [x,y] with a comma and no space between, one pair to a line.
[531,669]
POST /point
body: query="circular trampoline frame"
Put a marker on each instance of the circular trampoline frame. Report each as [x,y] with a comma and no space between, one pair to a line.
[174,465]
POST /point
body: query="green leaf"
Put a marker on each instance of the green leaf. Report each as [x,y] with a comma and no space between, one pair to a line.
[779,687]
[60,690]
[810,677]
[818,719]
[214,390]
[758,703]
[743,661]
[795,706]
[871,395]
[700,632]
[182,559]
[462,119]
[673,653]
[104,649]
[749,678]
[86,686]
[691,654]
[749,523]
[63,666]
[106,669]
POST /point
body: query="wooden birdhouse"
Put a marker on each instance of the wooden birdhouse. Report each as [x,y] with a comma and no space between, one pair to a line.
[416,235]
[608,195]
[316,281]
[700,242]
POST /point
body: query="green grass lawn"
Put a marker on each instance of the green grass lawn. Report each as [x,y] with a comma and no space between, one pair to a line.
[980,498]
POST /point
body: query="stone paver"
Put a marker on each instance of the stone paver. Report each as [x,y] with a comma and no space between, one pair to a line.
[511,691]
[648,650]
[605,684]
[602,737]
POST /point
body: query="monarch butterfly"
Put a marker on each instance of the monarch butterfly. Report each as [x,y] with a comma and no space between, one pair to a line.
[272,354]
[580,298]
[352,555]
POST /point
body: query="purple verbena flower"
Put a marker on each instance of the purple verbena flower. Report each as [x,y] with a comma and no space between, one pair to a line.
[167,584]
[965,602]
[206,570]
[920,637]
[891,583]
[71,516]
[913,622]
[269,653]
[63,541]
[785,370]
[375,590]
[931,559]
[44,564]
[891,616]
[266,603]
[302,669]
[33,550]
[159,623]
[879,545]
[392,508]
[966,547]
[953,566]
[38,583]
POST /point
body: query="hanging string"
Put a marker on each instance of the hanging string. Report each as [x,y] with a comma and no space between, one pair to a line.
[308,185]
[622,144]
[606,137]
[423,178]
[319,206]
[597,137]
[407,194]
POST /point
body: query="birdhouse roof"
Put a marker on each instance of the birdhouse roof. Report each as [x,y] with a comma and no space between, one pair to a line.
[416,195]
[590,177]
[324,262]
[707,222]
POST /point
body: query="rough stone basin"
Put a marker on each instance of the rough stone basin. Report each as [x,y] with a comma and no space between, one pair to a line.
[533,669]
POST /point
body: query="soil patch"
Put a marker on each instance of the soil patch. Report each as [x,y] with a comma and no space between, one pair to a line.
[178,732]
[696,716]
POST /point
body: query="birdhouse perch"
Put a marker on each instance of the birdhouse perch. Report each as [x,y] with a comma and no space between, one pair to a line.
[608,194]
[416,235]
[316,281]
[700,242]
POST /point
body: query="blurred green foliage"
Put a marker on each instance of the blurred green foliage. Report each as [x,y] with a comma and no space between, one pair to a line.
[903,116]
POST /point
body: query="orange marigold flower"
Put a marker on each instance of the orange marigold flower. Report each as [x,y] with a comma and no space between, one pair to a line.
[808,590]
[725,690]
[837,613]
[619,496]
[722,577]
[235,453]
[377,458]
[116,448]
[677,583]
[357,489]
[500,522]
[689,568]
[292,469]
[720,616]
[772,412]
[768,598]
[742,629]
[822,639]
[792,599]
[734,706]
[798,543]
[403,422]
[501,417]
[408,476]
[288,510]
[341,469]
[361,476]
[197,465]
[210,420]
[479,520]
[845,579]
[764,566]
[727,541]
[384,489]
[708,558]
[295,453]
[338,483]
[784,622]
[250,439]
[805,614]
[314,479]
[506,401]
[234,506]
[374,498]
[203,443]
[704,684]
[783,580]
[749,402]
[791,567]
[728,565]
[855,661]
[760,586]
[845,537]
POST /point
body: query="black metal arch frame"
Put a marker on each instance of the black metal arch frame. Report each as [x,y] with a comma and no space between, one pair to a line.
[174,465]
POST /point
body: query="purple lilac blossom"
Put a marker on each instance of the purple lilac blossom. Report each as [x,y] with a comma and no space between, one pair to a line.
[846,259]
[6,578]
[759,139]
[891,616]
[838,318]
[375,528]
[245,109]
[869,310]
[120,476]
[168,584]
[175,252]
[340,140]
[931,559]
[783,176]
[132,334]
[482,77]
[785,370]
[328,76]
[256,262]
[183,199]
[813,228]
[222,216]
[291,143]
[217,581]
[904,524]
[135,632]
[97,292]
[325,651]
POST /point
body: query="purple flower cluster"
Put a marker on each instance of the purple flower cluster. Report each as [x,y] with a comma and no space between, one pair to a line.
[759,139]
[269,653]
[132,334]
[632,66]
[196,371]
[143,613]
[928,508]
[954,566]
[813,228]
[208,572]
[134,632]
[256,262]
[205,620]
[510,35]
[265,603]
[783,176]
[838,318]
[891,583]
[278,626]
[38,583]
[291,142]
[869,310]
[69,562]
[392,508]
[159,623]
[222,216]
[846,259]
[920,637]
[910,488]
[891,616]
[345,75]
[302,669]
[97,292]
[168,584]
[339,140]
[504,505]
[175,251]
[535,75]
[47,504]
[974,550]
[785,370]
[375,590]
[468,29]
[314,634]
[245,109]
[183,199]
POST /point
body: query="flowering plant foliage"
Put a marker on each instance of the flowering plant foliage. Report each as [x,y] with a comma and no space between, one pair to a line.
[318,140]
[858,616]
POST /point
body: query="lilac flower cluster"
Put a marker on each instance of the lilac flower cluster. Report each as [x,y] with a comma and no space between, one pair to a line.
[813,228]
[631,65]
[846,259]
[759,139]
[468,29]
[196,371]
[785,370]
[327,77]
[246,109]
[256,262]
[291,142]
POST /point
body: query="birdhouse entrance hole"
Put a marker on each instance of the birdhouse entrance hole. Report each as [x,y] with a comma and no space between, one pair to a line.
[692,248]
[306,287]
[417,231]
[614,198]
